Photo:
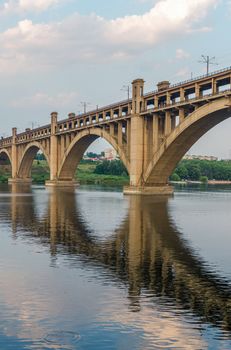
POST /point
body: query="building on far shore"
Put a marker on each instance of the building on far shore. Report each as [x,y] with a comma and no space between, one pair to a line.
[191,157]
[110,154]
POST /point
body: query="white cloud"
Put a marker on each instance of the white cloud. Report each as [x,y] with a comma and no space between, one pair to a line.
[204,29]
[62,99]
[183,73]
[181,54]
[27,5]
[93,38]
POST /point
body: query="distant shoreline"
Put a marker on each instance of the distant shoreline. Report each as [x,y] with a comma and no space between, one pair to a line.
[209,182]
[219,182]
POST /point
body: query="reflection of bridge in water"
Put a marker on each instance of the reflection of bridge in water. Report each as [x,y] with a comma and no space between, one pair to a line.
[145,253]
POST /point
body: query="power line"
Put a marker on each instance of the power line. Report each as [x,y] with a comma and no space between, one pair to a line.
[127,89]
[85,104]
[209,61]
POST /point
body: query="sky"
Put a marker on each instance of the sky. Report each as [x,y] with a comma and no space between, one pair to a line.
[56,54]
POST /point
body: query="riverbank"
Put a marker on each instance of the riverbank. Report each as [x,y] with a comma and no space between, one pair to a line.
[209,182]
[84,175]
[219,182]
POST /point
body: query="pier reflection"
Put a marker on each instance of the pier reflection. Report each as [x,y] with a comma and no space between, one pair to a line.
[145,252]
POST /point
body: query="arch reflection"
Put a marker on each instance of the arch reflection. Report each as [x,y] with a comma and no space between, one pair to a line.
[146,252]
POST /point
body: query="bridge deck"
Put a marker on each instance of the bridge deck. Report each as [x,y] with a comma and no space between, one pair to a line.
[199,90]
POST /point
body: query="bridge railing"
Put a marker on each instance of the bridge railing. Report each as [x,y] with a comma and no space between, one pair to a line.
[4,142]
[185,101]
[44,131]
[188,81]
[201,77]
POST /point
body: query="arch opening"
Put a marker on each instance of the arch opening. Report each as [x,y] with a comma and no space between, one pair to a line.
[87,153]
[34,164]
[183,138]
[5,166]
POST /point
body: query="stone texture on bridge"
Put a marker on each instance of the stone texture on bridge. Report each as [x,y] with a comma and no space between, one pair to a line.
[150,132]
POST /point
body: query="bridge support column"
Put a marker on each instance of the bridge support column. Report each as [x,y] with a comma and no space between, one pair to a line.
[214,86]
[15,179]
[53,147]
[54,181]
[136,135]
[53,151]
[120,134]
[19,181]
[136,150]
[140,144]
[155,129]
[14,155]
[168,122]
[181,115]
[62,183]
[165,190]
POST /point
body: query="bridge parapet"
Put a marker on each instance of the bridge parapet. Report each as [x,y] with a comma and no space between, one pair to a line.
[5,142]
[202,88]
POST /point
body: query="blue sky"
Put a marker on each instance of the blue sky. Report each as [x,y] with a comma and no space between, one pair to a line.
[56,53]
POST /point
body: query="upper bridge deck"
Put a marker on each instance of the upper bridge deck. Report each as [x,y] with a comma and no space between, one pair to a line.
[167,97]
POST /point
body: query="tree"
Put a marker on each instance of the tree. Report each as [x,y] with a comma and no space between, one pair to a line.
[92,155]
[194,172]
[204,179]
[182,172]
[175,177]
[114,167]
[195,168]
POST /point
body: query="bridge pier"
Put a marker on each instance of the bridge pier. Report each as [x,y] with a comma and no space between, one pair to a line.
[166,190]
[143,143]
[61,183]
[19,181]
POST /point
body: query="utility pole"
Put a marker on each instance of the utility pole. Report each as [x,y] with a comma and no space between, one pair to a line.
[33,125]
[127,89]
[84,104]
[208,60]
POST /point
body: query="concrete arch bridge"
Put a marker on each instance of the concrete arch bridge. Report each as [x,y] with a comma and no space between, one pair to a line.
[151,132]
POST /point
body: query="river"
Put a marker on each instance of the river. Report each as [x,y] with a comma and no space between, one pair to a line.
[93,269]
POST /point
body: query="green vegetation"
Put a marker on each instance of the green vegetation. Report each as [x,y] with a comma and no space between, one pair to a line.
[202,170]
[204,179]
[4,179]
[87,173]
[114,172]
[114,167]
[40,171]
[5,173]
[175,177]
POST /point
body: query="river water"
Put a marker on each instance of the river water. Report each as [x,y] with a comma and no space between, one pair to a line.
[93,269]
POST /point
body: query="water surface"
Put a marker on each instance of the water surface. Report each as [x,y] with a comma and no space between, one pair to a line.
[92,269]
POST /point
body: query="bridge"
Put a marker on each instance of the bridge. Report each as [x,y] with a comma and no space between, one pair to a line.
[151,132]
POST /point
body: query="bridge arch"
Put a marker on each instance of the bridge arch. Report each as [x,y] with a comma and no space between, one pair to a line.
[79,145]
[4,152]
[26,162]
[183,138]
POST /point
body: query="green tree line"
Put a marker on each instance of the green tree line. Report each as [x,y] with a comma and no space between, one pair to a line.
[196,169]
[114,167]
